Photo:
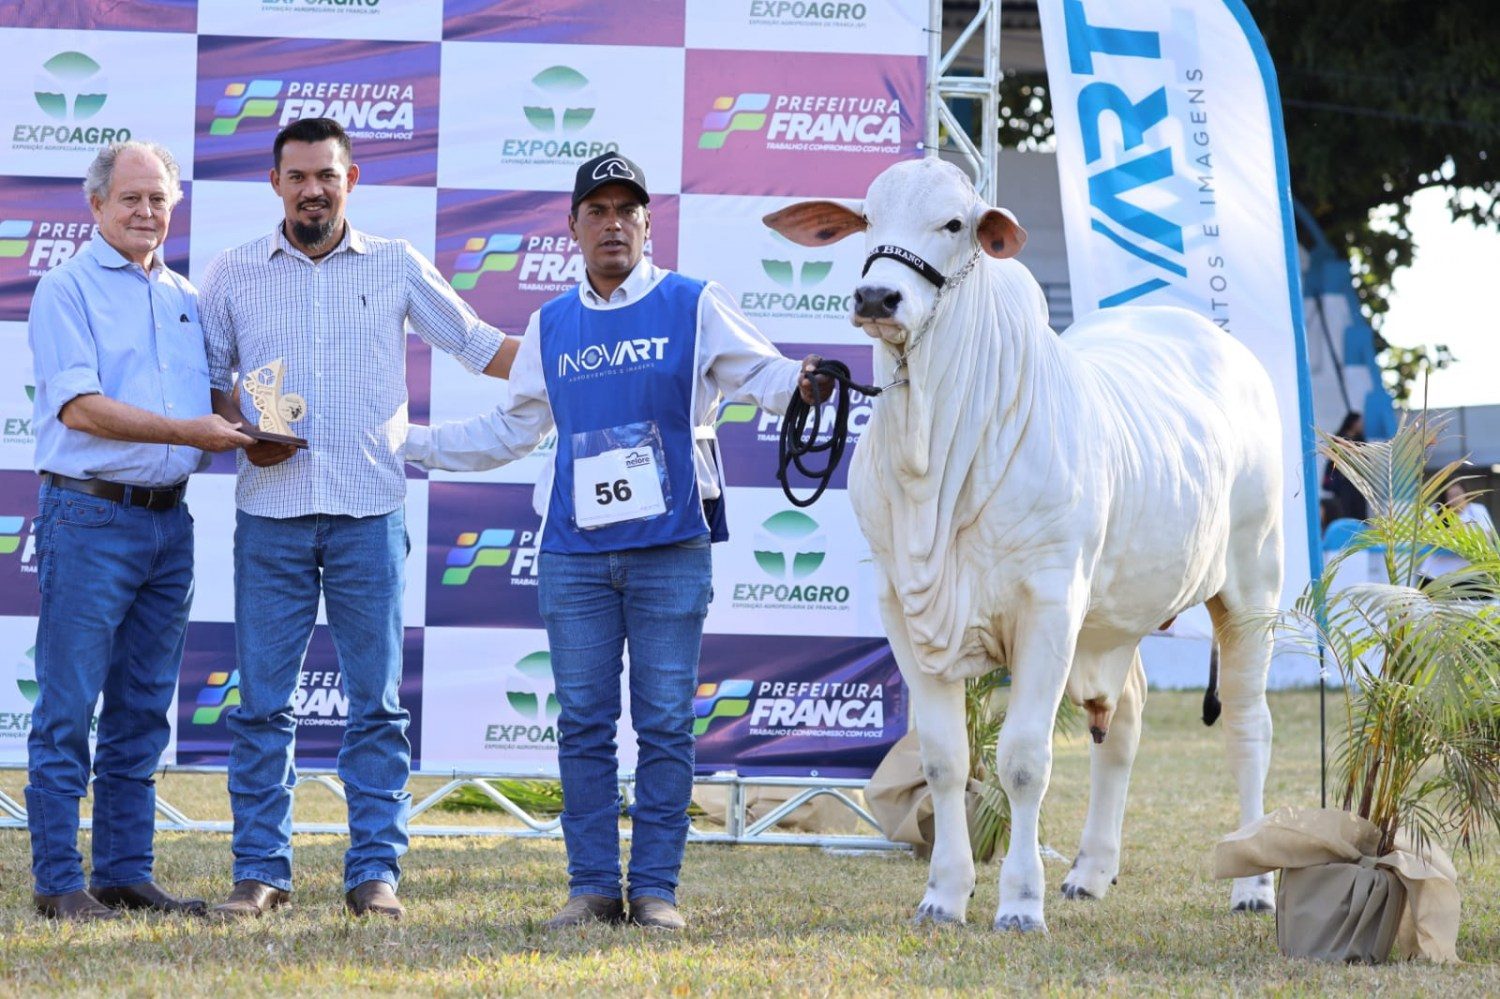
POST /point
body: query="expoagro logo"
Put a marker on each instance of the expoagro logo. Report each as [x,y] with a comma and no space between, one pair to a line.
[531,697]
[560,104]
[557,95]
[17,427]
[778,707]
[493,547]
[70,88]
[804,122]
[26,675]
[795,284]
[807,13]
[15,725]
[366,110]
[790,547]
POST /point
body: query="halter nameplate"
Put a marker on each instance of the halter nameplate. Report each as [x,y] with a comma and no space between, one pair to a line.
[910,259]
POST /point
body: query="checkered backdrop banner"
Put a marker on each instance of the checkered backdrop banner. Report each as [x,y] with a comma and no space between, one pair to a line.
[469,118]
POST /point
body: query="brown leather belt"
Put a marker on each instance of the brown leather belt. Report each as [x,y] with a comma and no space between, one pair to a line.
[152,498]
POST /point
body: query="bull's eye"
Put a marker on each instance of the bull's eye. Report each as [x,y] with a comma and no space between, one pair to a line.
[954,225]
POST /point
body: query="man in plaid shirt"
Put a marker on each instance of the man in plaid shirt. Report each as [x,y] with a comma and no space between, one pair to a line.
[332,303]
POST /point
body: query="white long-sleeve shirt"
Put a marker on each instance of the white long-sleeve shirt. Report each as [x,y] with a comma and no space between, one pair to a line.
[735,362]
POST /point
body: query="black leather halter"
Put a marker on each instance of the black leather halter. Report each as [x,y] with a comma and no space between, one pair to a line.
[908,258]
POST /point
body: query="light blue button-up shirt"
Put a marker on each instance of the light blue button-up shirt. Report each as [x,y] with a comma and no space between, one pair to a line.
[100,324]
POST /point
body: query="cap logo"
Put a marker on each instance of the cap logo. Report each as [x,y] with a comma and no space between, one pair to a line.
[615,168]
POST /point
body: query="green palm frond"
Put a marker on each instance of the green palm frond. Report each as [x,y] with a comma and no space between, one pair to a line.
[989,819]
[1419,657]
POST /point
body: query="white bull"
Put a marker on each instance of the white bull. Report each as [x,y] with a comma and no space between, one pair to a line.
[1045,502]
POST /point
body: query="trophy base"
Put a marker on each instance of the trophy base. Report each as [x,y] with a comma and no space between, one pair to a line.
[270,438]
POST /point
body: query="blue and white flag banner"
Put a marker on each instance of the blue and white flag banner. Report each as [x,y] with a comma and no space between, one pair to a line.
[1172,163]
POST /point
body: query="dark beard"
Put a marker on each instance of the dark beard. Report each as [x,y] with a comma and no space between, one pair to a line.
[315,235]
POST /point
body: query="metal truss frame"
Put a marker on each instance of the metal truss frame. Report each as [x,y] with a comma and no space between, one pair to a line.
[739,827]
[984,88]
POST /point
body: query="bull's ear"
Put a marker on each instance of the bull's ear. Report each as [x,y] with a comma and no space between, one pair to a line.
[999,234]
[817,223]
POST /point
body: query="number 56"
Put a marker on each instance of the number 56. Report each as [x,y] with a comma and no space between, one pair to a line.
[607,493]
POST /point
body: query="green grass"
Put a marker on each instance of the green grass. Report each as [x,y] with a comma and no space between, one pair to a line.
[762,919]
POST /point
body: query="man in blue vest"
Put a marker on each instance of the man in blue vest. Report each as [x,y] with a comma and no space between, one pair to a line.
[630,368]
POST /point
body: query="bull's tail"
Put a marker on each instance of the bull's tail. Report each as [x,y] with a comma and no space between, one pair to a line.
[1211,705]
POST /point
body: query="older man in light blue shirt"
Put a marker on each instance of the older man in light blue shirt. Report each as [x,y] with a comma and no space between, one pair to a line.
[122,418]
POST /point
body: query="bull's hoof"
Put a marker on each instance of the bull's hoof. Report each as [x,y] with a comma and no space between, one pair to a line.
[1019,924]
[1254,905]
[927,912]
[1078,892]
[1255,894]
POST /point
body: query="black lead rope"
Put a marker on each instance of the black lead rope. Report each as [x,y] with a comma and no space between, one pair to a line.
[798,440]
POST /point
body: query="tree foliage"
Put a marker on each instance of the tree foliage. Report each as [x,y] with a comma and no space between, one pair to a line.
[1381,98]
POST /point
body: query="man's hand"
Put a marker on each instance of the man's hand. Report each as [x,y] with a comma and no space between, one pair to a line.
[214,433]
[264,454]
[813,388]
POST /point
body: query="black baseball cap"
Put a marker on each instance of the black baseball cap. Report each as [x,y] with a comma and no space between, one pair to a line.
[610,168]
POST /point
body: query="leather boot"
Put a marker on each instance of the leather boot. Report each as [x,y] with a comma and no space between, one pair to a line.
[250,898]
[76,905]
[648,910]
[148,895]
[582,909]
[374,898]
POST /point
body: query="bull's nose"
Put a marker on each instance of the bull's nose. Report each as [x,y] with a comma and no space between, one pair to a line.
[876,301]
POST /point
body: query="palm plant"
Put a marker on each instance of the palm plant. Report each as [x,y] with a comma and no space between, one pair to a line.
[1419,656]
[989,813]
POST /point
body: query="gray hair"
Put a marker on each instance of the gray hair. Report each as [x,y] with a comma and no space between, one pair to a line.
[101,172]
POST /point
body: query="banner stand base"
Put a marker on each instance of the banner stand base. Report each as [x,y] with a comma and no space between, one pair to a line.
[737,830]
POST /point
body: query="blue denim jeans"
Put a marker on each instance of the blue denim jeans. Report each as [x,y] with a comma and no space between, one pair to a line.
[116,583]
[280,566]
[652,600]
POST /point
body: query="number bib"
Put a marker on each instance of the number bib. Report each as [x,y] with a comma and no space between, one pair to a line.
[618,475]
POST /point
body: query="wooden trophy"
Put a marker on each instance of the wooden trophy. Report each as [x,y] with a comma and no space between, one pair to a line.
[277,411]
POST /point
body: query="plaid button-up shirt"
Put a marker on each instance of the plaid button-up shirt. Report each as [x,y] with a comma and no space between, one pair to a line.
[339,324]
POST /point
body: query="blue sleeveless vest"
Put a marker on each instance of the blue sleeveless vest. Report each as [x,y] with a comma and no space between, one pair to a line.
[609,368]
